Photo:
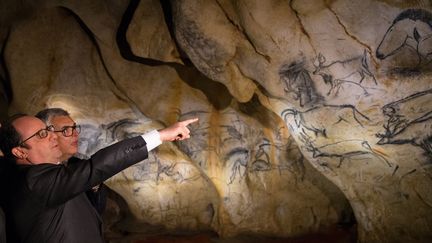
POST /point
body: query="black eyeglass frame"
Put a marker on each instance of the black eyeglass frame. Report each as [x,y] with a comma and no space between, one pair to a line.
[43,133]
[73,128]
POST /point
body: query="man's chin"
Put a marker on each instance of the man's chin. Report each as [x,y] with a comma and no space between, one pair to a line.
[59,155]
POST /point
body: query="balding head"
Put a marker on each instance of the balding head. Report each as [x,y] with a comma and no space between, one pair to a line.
[33,147]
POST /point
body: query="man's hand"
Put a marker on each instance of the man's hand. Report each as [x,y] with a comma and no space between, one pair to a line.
[177,131]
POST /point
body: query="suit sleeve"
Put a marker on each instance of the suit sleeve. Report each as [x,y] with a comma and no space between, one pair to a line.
[56,184]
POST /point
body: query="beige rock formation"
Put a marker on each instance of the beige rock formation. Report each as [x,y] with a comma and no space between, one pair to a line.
[308,109]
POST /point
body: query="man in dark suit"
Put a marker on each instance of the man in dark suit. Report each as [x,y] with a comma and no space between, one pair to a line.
[39,202]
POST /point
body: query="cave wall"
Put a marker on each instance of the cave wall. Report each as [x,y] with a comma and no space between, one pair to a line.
[308,109]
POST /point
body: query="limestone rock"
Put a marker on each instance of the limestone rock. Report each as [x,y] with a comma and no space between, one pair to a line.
[308,109]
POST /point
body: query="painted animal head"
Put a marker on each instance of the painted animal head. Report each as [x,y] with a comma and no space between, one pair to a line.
[321,70]
[407,31]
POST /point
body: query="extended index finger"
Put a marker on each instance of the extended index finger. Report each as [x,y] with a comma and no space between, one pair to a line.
[189,121]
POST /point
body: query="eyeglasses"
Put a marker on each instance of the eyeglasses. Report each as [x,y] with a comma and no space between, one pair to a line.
[68,131]
[41,134]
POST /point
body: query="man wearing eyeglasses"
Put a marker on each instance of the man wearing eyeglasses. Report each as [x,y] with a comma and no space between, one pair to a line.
[66,129]
[39,197]
[67,136]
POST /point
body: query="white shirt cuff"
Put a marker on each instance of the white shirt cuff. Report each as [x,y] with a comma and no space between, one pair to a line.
[152,139]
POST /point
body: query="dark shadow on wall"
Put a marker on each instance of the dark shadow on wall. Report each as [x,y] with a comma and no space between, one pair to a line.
[217,94]
[6,94]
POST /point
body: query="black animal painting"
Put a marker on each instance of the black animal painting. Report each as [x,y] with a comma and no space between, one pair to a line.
[343,150]
[299,83]
[409,121]
[346,72]
[411,29]
[312,119]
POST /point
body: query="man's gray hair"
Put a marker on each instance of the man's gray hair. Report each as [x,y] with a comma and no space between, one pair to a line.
[47,114]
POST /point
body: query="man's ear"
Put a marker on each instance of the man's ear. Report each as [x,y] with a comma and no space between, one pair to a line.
[19,153]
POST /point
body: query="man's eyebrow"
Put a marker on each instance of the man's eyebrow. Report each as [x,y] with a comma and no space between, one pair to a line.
[69,125]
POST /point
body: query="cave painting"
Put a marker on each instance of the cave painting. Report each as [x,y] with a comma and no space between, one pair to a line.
[326,110]
[311,119]
[347,72]
[354,149]
[411,29]
[245,148]
[409,121]
[299,83]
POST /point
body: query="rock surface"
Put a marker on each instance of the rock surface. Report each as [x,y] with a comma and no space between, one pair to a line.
[309,110]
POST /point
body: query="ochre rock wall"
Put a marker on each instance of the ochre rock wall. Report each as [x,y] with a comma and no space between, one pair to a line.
[308,109]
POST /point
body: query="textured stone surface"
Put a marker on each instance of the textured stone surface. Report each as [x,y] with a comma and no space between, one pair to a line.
[308,109]
[148,34]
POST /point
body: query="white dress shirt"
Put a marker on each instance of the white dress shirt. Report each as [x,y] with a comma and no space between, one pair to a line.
[152,139]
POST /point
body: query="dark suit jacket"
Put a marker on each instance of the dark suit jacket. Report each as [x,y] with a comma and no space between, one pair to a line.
[2,227]
[96,195]
[47,202]
[98,198]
